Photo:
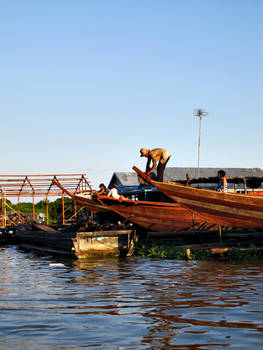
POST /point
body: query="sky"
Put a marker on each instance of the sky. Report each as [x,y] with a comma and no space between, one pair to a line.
[85,84]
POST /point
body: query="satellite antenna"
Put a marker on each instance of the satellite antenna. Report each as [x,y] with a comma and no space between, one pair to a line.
[200,113]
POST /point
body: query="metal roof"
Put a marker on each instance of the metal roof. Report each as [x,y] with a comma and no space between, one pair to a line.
[179,173]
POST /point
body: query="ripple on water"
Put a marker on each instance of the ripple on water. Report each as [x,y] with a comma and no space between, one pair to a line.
[133,303]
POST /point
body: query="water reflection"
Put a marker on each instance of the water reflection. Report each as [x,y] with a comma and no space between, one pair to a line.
[131,303]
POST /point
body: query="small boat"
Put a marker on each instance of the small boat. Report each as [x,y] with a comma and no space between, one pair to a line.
[7,235]
[232,209]
[154,216]
[79,244]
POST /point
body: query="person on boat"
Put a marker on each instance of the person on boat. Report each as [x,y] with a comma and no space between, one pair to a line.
[155,155]
[113,192]
[222,181]
[103,190]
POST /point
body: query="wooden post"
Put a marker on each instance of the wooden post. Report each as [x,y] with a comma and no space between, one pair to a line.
[75,211]
[47,218]
[220,233]
[18,207]
[2,211]
[2,223]
[193,221]
[4,208]
[245,185]
[188,254]
[63,207]
[33,206]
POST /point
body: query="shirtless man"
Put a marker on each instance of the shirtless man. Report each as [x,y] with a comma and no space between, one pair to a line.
[155,155]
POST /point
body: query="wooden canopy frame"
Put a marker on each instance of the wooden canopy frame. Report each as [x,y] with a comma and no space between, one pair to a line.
[39,186]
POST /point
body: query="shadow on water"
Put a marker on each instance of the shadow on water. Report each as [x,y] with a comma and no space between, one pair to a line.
[128,303]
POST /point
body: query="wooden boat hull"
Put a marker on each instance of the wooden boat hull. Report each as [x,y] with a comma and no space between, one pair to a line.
[90,204]
[154,216]
[104,243]
[235,210]
[77,244]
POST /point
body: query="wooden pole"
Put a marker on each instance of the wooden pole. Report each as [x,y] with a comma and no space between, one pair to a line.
[18,207]
[4,201]
[193,221]
[63,207]
[75,211]
[33,196]
[2,223]
[3,210]
[220,233]
[47,218]
[245,185]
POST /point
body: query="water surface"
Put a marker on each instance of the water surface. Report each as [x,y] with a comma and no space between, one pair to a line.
[131,303]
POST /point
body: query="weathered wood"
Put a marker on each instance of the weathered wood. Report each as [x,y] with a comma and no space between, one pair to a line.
[90,244]
[232,209]
[76,244]
[43,227]
[154,216]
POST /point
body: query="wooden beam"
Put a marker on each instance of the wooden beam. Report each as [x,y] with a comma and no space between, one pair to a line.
[33,197]
[47,218]
[63,209]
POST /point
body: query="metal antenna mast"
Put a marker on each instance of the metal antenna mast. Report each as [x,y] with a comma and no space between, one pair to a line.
[200,113]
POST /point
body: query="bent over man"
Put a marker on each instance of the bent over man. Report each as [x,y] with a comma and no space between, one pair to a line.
[155,155]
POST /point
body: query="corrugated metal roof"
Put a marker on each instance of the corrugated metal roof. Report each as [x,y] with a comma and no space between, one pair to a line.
[179,173]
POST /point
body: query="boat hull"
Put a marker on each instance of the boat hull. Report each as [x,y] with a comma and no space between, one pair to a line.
[235,210]
[77,244]
[90,204]
[155,216]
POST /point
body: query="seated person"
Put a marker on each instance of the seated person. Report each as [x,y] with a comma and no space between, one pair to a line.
[114,193]
[222,182]
[103,190]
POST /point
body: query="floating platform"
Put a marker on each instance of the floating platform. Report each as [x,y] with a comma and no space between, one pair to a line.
[7,235]
[74,243]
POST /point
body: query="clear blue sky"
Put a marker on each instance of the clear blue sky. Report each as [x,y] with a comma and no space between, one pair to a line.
[85,84]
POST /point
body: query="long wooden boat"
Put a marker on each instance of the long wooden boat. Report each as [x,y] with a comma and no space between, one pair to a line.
[76,244]
[155,216]
[235,210]
[84,199]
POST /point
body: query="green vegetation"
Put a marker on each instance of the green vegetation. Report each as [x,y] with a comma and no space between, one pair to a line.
[252,253]
[148,248]
[54,208]
[153,248]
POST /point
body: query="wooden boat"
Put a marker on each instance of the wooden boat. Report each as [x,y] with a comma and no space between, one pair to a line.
[75,243]
[84,199]
[154,216]
[235,210]
[7,235]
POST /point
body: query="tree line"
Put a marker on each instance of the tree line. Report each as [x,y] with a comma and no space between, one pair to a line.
[54,207]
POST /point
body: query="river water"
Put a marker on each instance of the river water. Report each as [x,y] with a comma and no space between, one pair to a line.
[130,303]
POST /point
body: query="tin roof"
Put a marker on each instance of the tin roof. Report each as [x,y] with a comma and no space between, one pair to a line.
[179,173]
